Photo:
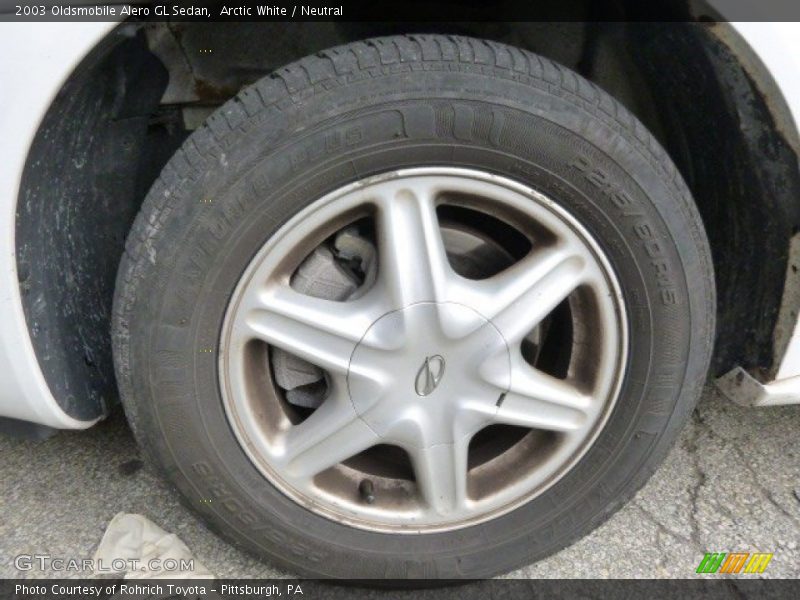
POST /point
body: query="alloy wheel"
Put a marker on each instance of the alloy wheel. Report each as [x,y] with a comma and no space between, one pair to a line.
[423,350]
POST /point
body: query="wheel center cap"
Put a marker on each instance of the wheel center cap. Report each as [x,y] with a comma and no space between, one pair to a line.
[417,371]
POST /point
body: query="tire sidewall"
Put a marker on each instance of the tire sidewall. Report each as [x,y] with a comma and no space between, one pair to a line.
[214,220]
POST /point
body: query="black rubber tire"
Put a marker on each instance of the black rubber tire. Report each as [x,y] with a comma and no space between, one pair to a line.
[371,107]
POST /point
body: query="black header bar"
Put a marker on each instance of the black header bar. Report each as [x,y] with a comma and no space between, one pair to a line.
[412,11]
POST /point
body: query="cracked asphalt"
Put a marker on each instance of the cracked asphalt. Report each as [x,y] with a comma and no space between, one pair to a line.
[732,483]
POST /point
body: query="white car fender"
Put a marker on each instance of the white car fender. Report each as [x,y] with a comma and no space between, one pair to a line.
[37,58]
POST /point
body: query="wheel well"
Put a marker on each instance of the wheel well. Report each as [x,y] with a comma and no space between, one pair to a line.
[131,103]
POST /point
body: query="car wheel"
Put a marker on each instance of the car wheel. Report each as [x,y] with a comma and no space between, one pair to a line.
[417,306]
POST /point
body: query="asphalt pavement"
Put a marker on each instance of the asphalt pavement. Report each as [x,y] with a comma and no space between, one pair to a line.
[731,484]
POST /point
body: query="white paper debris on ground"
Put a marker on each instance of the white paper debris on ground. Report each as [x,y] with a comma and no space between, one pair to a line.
[134,545]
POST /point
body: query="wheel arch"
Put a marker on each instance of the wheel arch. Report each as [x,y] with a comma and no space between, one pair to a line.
[146,85]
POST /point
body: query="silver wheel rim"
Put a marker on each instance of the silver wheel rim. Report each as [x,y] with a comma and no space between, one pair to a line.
[425,361]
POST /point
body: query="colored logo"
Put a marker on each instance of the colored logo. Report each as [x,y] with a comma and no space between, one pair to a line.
[734,562]
[429,375]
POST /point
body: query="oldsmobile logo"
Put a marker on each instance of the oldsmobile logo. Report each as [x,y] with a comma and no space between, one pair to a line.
[429,375]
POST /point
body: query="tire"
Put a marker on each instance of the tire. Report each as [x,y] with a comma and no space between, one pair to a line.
[375,107]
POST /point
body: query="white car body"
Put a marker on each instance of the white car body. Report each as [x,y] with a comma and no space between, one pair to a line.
[38,58]
[35,61]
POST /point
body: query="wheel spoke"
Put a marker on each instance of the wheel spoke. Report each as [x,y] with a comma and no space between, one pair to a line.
[333,433]
[413,264]
[520,297]
[320,331]
[541,401]
[441,473]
